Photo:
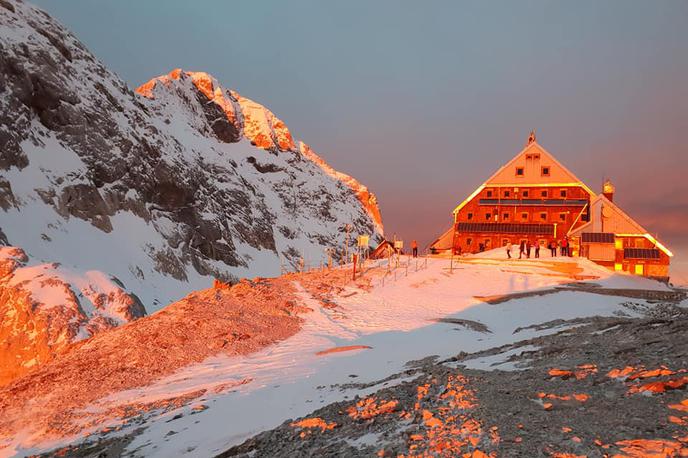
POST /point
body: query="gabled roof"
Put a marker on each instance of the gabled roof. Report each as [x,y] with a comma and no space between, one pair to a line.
[606,216]
[532,172]
[532,158]
[615,219]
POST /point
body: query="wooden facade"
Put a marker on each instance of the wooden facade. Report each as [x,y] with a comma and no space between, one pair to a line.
[535,198]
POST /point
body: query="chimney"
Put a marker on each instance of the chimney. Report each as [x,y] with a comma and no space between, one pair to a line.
[608,190]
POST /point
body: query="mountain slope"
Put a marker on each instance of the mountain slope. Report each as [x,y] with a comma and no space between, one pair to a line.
[164,190]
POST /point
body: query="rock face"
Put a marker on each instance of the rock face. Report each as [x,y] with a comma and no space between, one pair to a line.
[165,188]
[46,308]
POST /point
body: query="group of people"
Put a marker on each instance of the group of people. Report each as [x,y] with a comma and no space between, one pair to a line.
[525,248]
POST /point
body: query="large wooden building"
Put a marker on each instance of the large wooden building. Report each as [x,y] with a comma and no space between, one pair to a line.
[535,198]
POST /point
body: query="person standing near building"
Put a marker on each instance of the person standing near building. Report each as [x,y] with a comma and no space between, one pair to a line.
[553,248]
[508,249]
[414,247]
[564,247]
[537,250]
[529,247]
[521,249]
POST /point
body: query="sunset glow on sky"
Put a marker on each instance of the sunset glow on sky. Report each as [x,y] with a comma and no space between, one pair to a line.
[422,101]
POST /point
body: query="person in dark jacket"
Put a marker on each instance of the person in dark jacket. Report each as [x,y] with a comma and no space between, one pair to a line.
[529,247]
[521,249]
[537,250]
[553,248]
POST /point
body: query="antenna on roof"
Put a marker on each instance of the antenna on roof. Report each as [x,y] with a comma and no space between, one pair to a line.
[531,137]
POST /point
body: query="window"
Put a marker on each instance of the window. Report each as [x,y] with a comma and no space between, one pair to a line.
[524,216]
[469,216]
[545,171]
[618,267]
[562,216]
[536,157]
[618,244]
[469,241]
[639,269]
[543,193]
[562,193]
[519,171]
[507,193]
[505,242]
[505,217]
[489,193]
[525,193]
[543,216]
[488,216]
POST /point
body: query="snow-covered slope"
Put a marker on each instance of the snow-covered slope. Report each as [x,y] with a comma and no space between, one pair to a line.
[164,190]
[45,308]
[352,337]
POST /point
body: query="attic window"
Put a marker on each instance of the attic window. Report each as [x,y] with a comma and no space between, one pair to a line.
[469,216]
[543,193]
[545,171]
[562,193]
[489,193]
[525,193]
[507,193]
[519,171]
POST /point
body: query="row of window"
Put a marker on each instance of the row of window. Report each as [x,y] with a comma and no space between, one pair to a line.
[525,216]
[544,171]
[525,193]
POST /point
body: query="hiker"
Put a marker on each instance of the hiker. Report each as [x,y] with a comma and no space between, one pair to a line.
[414,247]
[529,247]
[521,249]
[537,250]
[508,249]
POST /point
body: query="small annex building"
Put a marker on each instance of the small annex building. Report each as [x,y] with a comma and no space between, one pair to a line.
[534,198]
[383,250]
[614,239]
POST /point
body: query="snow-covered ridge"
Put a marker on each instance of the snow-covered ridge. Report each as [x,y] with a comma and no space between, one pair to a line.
[257,124]
[46,307]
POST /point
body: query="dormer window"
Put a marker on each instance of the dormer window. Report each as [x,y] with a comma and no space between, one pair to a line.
[519,171]
[545,171]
